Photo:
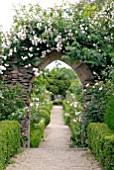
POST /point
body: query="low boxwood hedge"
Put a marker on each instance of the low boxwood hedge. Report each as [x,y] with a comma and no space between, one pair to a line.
[109,114]
[37,133]
[40,118]
[43,114]
[57,102]
[101,142]
[9,140]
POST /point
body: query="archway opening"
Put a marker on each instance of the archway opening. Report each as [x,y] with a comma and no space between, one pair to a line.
[57,85]
[26,75]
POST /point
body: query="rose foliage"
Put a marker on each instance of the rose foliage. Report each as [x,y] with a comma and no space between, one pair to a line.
[84,33]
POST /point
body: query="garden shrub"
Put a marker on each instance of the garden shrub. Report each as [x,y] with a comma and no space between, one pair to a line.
[19,114]
[57,102]
[73,114]
[46,107]
[40,112]
[43,114]
[37,133]
[50,105]
[77,131]
[34,116]
[42,107]
[9,140]
[109,115]
[95,108]
[10,100]
[66,115]
[39,121]
[40,118]
[101,143]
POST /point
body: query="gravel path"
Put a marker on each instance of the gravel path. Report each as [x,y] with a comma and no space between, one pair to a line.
[54,152]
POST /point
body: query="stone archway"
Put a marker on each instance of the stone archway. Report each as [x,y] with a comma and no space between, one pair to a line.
[81,68]
[25,77]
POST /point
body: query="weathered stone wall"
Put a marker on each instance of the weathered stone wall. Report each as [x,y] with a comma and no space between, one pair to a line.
[25,77]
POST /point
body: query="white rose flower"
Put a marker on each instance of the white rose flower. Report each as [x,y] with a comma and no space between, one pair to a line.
[100,88]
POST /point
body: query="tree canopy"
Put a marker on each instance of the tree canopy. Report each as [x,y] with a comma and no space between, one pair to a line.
[57,81]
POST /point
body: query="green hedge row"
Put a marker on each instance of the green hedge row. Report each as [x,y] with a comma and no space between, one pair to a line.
[45,115]
[66,109]
[57,102]
[9,140]
[109,114]
[37,133]
[101,142]
[39,120]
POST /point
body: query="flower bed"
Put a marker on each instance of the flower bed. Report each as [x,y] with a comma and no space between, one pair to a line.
[72,117]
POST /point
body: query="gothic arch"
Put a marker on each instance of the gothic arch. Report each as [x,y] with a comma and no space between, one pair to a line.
[25,76]
[81,68]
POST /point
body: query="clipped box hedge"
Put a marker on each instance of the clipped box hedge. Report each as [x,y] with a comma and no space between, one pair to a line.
[101,142]
[37,127]
[37,133]
[9,140]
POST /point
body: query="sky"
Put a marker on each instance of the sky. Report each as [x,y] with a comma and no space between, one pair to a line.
[7,12]
[53,64]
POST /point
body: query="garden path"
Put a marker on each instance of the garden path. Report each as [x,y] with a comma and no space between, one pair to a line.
[54,152]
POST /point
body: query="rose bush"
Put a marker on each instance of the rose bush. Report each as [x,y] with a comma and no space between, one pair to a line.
[99,107]
[10,100]
[83,33]
[40,107]
[73,113]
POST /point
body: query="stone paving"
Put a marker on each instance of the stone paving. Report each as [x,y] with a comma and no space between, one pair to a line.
[54,152]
